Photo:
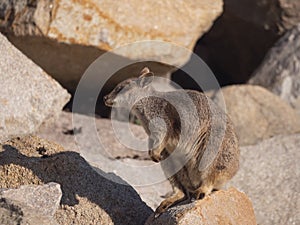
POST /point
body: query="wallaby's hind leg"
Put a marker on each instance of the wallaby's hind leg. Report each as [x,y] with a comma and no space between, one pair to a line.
[176,197]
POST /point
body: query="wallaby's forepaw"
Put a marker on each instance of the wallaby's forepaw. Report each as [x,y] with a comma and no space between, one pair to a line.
[156,148]
[162,208]
[155,155]
[156,214]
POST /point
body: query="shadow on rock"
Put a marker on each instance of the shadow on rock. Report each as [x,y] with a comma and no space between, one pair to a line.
[23,162]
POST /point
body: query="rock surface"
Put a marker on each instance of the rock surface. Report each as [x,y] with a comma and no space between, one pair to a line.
[68,133]
[152,194]
[30,204]
[258,114]
[280,71]
[88,197]
[269,174]
[15,213]
[64,37]
[28,96]
[109,24]
[220,208]
[45,198]
[240,38]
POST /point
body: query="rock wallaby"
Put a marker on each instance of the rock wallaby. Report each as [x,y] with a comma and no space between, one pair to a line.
[192,138]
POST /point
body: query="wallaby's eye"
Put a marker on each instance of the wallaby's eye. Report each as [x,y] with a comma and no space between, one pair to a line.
[118,89]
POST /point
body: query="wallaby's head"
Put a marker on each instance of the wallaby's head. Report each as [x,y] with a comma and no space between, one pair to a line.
[128,91]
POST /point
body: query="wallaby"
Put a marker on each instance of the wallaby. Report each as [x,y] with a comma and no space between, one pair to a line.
[192,137]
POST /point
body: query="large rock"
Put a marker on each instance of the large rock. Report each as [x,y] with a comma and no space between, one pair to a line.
[269,174]
[88,197]
[258,114]
[45,198]
[30,204]
[280,71]
[220,208]
[64,37]
[74,135]
[67,134]
[28,96]
[15,213]
[240,38]
[154,193]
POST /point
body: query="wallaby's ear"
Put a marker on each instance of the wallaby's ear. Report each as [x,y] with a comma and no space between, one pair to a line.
[144,71]
[145,78]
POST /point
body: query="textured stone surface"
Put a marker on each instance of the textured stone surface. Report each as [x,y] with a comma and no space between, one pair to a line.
[111,24]
[88,197]
[152,194]
[64,36]
[28,96]
[240,38]
[269,174]
[16,213]
[68,133]
[280,71]
[44,199]
[221,207]
[65,133]
[257,113]
[9,213]
[30,204]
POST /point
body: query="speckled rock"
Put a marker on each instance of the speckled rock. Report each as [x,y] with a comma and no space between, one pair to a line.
[269,174]
[30,204]
[280,71]
[44,198]
[13,212]
[64,37]
[28,96]
[68,133]
[220,208]
[108,25]
[257,113]
[89,197]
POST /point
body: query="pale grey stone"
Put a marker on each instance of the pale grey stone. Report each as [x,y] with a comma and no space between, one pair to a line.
[280,71]
[257,113]
[28,96]
[30,204]
[269,174]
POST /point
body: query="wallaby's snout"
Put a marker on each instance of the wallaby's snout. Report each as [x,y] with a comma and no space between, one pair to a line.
[129,90]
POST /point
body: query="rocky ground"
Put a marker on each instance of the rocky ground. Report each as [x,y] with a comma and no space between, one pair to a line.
[62,167]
